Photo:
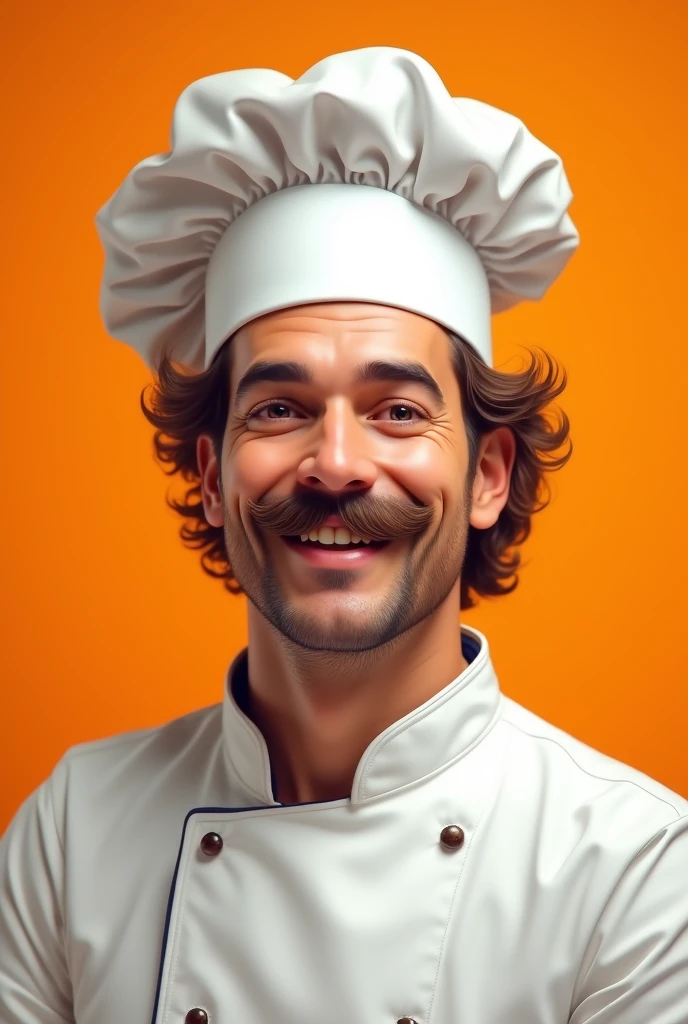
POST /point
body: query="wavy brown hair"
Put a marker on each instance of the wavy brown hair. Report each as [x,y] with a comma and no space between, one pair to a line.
[184,405]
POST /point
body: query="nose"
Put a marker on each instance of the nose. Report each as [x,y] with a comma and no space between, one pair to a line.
[341,461]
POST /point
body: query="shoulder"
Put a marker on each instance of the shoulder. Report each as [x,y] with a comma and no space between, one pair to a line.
[581,779]
[140,764]
[167,739]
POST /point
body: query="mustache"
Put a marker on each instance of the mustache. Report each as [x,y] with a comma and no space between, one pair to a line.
[375,518]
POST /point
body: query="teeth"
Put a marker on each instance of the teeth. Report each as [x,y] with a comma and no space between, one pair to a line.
[329,535]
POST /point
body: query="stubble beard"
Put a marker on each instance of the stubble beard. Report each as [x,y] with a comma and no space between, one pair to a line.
[419,588]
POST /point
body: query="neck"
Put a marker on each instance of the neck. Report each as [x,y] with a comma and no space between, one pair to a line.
[319,711]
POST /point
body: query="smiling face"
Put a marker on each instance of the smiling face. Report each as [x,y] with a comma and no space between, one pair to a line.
[345,420]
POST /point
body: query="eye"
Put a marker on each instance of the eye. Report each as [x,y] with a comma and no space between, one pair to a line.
[273,412]
[401,412]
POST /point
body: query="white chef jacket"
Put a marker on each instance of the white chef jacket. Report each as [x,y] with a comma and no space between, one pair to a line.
[487,868]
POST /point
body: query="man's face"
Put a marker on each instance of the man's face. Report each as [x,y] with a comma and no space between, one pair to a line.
[329,403]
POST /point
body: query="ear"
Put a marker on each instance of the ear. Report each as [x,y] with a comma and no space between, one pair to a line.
[494,465]
[209,472]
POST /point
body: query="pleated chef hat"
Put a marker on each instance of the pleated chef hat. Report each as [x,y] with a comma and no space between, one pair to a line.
[361,180]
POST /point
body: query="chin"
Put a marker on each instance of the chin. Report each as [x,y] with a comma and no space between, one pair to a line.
[337,624]
[350,641]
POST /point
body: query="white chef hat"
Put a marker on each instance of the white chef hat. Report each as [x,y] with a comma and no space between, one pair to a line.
[361,180]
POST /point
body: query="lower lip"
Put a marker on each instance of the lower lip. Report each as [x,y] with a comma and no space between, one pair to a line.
[330,558]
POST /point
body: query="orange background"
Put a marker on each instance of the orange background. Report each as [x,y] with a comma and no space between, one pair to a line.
[108,622]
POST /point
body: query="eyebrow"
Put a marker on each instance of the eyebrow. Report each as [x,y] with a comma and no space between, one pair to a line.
[372,372]
[403,372]
[272,373]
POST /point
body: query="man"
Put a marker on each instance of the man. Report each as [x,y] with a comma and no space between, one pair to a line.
[364,830]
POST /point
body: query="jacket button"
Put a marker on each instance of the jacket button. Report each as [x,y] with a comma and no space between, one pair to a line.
[407,1020]
[196,1016]
[211,844]
[451,837]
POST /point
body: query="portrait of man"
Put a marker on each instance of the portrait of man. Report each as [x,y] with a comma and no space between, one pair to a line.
[364,827]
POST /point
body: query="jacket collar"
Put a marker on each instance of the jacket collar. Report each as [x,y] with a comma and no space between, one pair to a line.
[424,741]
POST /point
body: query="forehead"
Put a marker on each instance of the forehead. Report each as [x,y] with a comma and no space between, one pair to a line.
[337,336]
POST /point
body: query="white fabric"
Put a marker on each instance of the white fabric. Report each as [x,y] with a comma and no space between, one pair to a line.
[359,251]
[566,903]
[378,117]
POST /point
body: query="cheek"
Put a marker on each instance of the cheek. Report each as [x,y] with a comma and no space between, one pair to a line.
[250,471]
[257,467]
[431,470]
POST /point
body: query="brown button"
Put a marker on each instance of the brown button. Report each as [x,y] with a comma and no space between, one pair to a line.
[196,1016]
[211,844]
[407,1020]
[451,837]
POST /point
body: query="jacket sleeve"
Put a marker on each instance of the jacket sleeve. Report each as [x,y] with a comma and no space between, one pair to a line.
[34,982]
[636,967]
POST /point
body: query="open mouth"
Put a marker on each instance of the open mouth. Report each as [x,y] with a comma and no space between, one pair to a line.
[333,546]
[335,538]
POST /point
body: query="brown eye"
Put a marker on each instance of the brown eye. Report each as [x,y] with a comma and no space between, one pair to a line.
[277,411]
[401,412]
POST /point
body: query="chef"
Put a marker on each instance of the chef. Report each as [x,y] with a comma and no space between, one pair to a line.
[363,830]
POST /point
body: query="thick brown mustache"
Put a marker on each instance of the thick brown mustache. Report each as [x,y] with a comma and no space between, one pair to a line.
[374,518]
